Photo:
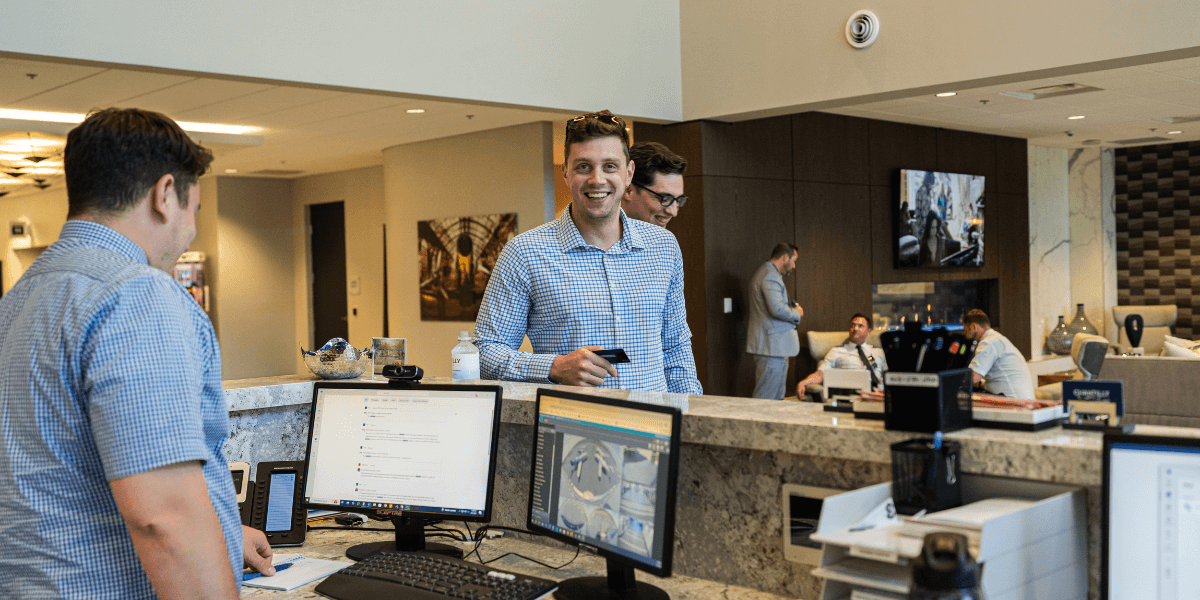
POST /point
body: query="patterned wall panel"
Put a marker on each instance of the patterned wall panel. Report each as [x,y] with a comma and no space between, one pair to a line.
[1158,229]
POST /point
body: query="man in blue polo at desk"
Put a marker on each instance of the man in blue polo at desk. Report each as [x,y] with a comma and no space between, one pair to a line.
[112,413]
[592,279]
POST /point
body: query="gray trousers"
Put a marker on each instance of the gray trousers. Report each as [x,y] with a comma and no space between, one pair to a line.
[770,376]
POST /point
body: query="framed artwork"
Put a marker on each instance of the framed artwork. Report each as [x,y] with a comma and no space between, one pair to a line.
[388,351]
[456,258]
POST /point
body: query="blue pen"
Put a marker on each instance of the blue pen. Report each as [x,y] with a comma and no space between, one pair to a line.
[278,568]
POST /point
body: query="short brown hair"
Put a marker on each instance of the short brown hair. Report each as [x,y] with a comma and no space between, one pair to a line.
[117,154]
[976,317]
[652,158]
[784,249]
[595,125]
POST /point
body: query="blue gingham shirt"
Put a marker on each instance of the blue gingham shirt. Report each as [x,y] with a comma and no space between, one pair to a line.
[565,294]
[108,368]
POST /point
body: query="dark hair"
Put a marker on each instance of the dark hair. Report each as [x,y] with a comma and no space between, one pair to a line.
[117,154]
[976,317]
[595,125]
[652,158]
[863,317]
[783,249]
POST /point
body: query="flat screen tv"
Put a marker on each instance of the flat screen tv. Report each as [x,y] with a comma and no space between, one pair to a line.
[939,220]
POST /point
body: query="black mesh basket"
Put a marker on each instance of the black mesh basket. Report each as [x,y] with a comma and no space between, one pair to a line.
[924,477]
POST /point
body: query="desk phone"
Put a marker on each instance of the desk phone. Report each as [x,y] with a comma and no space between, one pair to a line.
[273,503]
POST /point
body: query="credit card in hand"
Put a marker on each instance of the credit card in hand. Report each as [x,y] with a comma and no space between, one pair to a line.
[614,356]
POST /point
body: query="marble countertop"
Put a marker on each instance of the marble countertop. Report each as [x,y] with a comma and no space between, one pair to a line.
[801,428]
[331,545]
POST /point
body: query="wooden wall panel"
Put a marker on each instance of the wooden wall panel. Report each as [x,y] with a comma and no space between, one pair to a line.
[688,228]
[970,153]
[744,220]
[1012,166]
[833,273]
[761,148]
[899,146]
[1011,236]
[840,157]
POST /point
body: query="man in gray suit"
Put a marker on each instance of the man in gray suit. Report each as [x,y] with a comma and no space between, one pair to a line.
[771,337]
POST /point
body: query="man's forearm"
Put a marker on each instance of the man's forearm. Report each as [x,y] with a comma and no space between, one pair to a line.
[176,532]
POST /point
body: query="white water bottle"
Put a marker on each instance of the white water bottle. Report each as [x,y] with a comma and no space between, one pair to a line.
[465,358]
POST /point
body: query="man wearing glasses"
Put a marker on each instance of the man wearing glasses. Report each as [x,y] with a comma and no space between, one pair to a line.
[592,279]
[657,191]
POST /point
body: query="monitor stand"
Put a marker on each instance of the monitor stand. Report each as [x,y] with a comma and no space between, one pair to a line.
[619,585]
[410,537]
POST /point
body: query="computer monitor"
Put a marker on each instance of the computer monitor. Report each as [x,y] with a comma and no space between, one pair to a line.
[415,454]
[603,478]
[1150,525]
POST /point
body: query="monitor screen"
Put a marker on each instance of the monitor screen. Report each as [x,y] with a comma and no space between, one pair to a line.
[1151,519]
[939,219]
[428,450]
[604,476]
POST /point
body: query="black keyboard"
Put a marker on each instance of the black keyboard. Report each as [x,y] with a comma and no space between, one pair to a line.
[427,576]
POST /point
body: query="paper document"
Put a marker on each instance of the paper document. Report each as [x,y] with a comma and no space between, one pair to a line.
[302,571]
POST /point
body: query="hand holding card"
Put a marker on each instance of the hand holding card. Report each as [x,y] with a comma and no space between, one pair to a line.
[614,355]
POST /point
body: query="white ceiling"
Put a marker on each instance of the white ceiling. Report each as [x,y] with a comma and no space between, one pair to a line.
[1129,106]
[312,130]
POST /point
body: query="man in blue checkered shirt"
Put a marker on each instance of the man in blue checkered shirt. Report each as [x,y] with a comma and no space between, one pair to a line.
[112,413]
[592,279]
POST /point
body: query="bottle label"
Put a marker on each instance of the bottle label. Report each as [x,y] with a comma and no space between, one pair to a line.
[465,366]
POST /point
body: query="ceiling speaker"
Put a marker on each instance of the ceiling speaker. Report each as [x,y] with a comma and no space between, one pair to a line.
[862,29]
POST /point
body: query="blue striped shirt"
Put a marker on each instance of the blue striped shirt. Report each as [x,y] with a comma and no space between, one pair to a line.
[108,368]
[565,294]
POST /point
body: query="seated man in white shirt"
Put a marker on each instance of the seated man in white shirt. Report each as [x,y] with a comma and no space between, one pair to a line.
[855,353]
[998,364]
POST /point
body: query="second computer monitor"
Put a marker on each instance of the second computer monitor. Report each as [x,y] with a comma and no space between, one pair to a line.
[604,476]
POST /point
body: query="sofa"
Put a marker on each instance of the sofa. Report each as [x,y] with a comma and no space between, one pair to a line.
[1159,390]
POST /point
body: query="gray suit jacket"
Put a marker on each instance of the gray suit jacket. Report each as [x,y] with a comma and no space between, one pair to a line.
[772,327]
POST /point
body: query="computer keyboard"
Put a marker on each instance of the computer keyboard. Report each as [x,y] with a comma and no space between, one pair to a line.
[423,576]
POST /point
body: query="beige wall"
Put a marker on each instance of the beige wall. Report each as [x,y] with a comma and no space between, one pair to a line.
[782,56]
[254,273]
[46,211]
[362,192]
[512,53]
[502,170]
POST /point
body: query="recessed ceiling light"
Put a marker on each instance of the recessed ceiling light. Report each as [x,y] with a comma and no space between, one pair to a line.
[946,94]
[1075,118]
[1174,132]
[231,171]
[415,111]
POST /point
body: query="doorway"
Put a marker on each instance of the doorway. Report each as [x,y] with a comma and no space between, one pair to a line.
[327,239]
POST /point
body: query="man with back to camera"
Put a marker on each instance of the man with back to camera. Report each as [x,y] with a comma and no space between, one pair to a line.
[855,353]
[771,337]
[591,279]
[998,364]
[656,194]
[112,412]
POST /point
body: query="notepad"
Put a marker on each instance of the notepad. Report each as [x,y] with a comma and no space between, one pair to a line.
[302,571]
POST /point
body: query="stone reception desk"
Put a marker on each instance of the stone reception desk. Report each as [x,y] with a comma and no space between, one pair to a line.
[737,453]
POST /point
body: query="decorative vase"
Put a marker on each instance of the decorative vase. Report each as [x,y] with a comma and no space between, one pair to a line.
[1134,326]
[1079,324]
[1058,341]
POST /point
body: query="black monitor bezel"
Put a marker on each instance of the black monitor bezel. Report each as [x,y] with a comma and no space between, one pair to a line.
[363,385]
[1106,452]
[672,480]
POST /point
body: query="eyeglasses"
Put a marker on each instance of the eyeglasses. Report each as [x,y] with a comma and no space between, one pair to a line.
[664,199]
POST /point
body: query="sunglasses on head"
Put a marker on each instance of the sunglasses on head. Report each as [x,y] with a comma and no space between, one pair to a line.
[604,117]
[664,199]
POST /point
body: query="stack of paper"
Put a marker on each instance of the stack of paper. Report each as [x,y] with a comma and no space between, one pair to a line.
[302,570]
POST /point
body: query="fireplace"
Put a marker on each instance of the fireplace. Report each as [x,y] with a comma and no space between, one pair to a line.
[931,303]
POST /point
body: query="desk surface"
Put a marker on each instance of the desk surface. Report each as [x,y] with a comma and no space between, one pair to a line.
[331,545]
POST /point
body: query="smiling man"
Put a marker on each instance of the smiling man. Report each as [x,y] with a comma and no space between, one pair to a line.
[657,191]
[592,279]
